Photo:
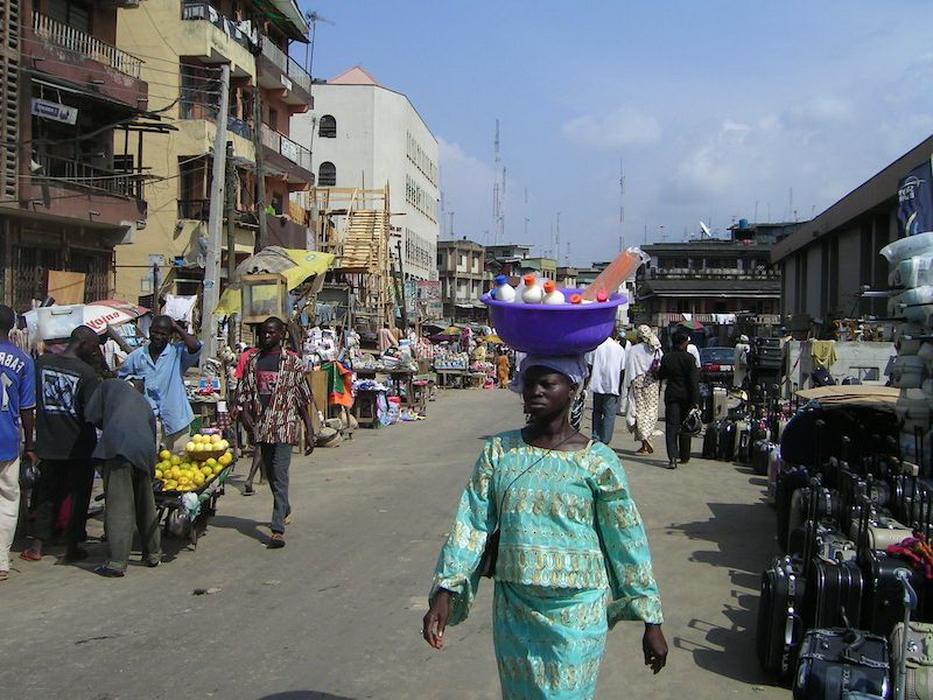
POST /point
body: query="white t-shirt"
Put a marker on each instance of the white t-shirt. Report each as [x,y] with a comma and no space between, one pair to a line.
[607,362]
[692,349]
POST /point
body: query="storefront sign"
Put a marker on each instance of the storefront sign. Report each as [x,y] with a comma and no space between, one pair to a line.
[54,110]
[915,200]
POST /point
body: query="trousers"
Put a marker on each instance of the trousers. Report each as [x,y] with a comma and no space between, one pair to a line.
[59,479]
[605,407]
[276,458]
[130,505]
[678,446]
[9,508]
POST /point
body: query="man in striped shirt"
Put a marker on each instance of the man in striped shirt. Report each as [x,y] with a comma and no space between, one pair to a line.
[273,396]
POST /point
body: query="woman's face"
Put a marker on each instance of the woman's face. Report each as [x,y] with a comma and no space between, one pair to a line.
[546,392]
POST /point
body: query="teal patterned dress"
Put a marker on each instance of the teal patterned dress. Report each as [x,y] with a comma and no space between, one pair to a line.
[573,561]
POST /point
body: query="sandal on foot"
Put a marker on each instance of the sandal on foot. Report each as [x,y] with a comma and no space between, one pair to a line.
[4,575]
[107,572]
[277,541]
[30,555]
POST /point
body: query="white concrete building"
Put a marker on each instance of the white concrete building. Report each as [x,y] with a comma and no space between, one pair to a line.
[363,134]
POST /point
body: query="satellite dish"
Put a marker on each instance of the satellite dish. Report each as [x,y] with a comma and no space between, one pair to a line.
[706,231]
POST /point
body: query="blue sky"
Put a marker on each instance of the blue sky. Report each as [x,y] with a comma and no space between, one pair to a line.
[713,107]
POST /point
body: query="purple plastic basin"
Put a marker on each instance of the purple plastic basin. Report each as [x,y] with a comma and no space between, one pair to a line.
[543,329]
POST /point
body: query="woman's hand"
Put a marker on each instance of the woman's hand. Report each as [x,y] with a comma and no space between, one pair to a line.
[435,620]
[655,647]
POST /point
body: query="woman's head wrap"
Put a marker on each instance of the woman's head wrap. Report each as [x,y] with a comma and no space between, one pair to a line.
[572,366]
[646,335]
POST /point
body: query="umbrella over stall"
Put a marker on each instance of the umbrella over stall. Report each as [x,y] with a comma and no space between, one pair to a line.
[294,265]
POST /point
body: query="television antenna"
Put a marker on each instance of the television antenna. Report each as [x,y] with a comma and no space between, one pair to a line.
[707,233]
[313,18]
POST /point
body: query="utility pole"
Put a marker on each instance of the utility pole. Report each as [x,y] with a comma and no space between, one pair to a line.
[211,291]
[231,215]
[262,238]
[401,285]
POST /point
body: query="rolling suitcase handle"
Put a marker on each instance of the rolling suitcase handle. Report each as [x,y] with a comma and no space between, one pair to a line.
[910,603]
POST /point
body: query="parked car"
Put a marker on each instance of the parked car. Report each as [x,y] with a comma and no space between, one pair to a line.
[716,365]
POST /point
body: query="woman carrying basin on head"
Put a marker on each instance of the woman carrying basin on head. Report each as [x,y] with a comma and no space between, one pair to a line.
[573,557]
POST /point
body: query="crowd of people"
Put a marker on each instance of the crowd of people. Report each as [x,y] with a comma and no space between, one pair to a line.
[66,415]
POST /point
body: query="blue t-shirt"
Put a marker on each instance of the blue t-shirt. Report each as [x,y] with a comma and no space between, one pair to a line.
[17,393]
[165,388]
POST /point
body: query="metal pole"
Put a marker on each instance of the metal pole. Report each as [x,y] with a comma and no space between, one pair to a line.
[231,215]
[401,284]
[262,238]
[211,294]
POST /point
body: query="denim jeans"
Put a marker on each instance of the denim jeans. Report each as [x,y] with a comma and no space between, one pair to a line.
[605,407]
[276,458]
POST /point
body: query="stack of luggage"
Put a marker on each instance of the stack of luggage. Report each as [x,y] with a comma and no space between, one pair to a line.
[845,610]
[748,434]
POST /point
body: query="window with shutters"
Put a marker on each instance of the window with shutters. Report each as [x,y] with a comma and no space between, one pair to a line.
[327,174]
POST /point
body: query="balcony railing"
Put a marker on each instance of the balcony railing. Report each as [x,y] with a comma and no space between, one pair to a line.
[297,154]
[288,65]
[241,32]
[84,44]
[91,177]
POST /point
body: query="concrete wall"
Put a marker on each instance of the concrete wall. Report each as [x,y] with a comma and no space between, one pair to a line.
[851,356]
[371,150]
[850,259]
[814,280]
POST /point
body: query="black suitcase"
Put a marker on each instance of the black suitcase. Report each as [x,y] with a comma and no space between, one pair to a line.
[711,440]
[883,606]
[726,447]
[743,450]
[761,453]
[804,511]
[780,621]
[789,480]
[834,593]
[841,664]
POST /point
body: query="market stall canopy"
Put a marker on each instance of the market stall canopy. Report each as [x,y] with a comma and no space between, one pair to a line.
[880,397]
[294,265]
[494,339]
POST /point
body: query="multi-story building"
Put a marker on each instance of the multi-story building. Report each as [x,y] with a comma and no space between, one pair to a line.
[507,258]
[365,135]
[73,111]
[711,279]
[461,269]
[186,44]
[829,261]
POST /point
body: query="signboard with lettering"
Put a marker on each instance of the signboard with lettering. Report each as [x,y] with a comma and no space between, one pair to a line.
[915,200]
[429,299]
[54,111]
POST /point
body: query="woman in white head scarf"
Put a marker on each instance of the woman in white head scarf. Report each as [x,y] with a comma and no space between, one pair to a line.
[642,387]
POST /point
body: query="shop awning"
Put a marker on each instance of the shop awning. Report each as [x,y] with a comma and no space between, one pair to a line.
[293,264]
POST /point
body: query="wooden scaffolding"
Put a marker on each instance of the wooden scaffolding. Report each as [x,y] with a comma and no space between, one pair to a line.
[354,224]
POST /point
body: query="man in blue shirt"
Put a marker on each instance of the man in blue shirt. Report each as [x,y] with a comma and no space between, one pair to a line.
[162,364]
[17,404]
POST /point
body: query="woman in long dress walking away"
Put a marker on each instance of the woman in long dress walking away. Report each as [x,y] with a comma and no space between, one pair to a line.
[573,556]
[642,387]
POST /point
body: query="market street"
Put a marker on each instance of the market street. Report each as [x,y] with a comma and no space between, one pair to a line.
[337,613]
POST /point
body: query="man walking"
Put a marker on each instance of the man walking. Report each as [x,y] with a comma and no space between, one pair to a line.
[272,397]
[606,365]
[65,441]
[17,405]
[162,365]
[127,452]
[679,370]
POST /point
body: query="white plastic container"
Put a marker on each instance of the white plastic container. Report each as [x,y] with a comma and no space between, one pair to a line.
[57,322]
[552,295]
[903,248]
[503,291]
[533,293]
[914,271]
[913,410]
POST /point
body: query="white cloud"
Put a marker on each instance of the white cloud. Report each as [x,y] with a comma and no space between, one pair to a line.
[621,127]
